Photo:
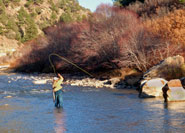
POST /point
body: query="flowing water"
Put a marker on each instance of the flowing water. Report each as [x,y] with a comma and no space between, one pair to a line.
[28,108]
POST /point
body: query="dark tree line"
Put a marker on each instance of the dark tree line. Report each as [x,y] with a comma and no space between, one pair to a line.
[127,2]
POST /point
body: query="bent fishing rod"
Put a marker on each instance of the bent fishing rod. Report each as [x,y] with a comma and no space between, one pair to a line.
[66,60]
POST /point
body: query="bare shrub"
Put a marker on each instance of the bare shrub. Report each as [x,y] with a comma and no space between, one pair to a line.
[155,8]
[99,42]
[144,49]
[112,38]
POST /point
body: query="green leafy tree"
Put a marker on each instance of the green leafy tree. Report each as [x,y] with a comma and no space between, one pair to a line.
[66,17]
[1,30]
[11,25]
[44,24]
[26,20]
[79,18]
[31,32]
[53,17]
[38,10]
[6,2]
[2,7]
[3,18]
[22,15]
[53,7]
[39,1]
[30,2]
[182,1]
[62,4]
[18,35]
[84,17]
[16,0]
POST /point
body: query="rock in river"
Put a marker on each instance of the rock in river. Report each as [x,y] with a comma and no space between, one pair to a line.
[174,91]
[152,88]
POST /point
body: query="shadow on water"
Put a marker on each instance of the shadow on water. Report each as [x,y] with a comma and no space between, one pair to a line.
[173,114]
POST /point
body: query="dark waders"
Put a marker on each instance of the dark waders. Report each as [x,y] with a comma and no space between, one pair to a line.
[58,99]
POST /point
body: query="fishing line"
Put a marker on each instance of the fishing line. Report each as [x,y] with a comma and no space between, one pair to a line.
[54,54]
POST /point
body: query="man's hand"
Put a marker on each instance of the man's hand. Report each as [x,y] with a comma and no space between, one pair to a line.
[60,76]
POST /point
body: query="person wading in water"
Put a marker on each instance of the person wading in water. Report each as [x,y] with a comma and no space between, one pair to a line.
[57,91]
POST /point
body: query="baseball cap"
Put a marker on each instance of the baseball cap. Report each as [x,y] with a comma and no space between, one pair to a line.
[55,78]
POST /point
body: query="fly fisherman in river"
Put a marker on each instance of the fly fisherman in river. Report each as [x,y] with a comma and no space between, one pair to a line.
[57,90]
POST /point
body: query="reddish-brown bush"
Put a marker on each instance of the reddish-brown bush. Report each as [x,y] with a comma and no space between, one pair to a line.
[112,38]
[170,27]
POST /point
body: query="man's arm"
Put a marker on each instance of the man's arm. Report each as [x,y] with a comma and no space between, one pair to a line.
[60,76]
[61,80]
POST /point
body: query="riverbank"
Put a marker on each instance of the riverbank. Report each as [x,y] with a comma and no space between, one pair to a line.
[84,81]
[114,79]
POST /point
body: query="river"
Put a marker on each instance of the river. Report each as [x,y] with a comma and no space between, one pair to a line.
[26,107]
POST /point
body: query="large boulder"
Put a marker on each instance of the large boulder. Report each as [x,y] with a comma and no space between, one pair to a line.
[170,68]
[174,91]
[152,88]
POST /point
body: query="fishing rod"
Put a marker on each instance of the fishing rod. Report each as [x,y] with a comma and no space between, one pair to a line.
[54,69]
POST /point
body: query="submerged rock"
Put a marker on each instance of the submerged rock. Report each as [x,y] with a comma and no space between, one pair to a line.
[152,88]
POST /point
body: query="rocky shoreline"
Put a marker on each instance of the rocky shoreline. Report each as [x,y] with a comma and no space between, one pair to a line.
[84,81]
[113,83]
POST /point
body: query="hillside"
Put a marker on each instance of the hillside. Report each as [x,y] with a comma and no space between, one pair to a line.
[112,38]
[23,20]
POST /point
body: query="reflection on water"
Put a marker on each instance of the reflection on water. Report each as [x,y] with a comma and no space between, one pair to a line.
[175,106]
[59,120]
[168,117]
[173,115]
